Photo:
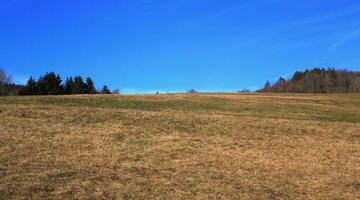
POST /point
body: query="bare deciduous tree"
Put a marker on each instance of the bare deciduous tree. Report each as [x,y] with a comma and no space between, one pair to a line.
[317,80]
[4,78]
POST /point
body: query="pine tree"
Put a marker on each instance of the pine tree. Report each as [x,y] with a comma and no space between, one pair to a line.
[79,85]
[41,87]
[105,90]
[68,87]
[50,84]
[267,87]
[90,88]
[58,87]
[30,88]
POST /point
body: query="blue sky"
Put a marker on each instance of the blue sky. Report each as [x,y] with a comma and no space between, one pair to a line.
[142,46]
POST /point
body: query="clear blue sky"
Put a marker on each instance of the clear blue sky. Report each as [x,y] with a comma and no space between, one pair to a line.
[142,46]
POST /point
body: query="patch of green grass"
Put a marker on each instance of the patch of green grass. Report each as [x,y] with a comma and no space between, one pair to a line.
[299,106]
[120,136]
[138,141]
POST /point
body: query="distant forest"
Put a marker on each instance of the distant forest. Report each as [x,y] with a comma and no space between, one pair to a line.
[50,84]
[317,80]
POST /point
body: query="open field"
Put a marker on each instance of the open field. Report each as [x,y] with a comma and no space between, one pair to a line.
[183,146]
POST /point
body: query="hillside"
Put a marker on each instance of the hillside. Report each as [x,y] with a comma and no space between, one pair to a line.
[317,80]
[225,146]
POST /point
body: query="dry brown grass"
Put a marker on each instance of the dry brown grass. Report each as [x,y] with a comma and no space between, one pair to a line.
[201,146]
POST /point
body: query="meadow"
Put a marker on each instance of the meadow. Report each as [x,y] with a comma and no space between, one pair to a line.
[180,146]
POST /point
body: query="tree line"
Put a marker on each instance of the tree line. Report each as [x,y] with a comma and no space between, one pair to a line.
[6,87]
[51,84]
[317,80]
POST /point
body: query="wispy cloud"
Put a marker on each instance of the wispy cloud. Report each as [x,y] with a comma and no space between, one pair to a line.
[329,16]
[290,46]
[313,28]
[346,39]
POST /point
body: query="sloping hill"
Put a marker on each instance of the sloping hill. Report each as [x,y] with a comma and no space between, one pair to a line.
[317,80]
[180,146]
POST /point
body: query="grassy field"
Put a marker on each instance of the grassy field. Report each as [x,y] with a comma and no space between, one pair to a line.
[180,146]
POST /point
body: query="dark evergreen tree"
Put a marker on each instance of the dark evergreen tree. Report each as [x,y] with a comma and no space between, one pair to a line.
[49,84]
[90,88]
[191,91]
[69,86]
[267,86]
[30,88]
[79,85]
[58,87]
[105,90]
[41,86]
